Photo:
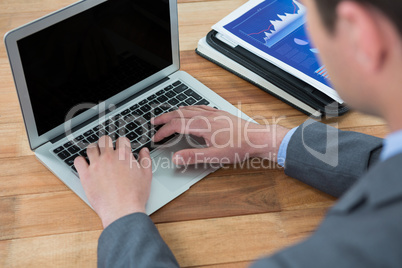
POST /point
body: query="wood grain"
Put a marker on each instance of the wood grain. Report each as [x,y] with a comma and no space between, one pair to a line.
[228,219]
[194,243]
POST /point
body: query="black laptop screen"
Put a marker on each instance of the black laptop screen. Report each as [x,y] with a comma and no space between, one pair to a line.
[94,55]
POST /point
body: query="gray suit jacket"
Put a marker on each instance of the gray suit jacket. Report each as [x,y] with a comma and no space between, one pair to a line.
[364,229]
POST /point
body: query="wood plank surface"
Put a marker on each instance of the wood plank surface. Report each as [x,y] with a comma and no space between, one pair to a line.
[229,219]
[194,243]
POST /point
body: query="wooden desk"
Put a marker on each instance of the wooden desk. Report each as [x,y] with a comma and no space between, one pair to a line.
[226,220]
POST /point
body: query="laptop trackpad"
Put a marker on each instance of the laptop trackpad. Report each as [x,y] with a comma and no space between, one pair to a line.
[170,175]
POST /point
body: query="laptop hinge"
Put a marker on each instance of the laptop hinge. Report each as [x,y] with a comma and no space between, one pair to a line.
[115,107]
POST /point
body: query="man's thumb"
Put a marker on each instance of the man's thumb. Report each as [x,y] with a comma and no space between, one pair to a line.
[193,156]
[144,159]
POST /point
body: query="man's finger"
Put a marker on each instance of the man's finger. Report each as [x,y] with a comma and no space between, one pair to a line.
[105,144]
[194,156]
[145,161]
[123,147]
[195,126]
[174,126]
[200,107]
[93,151]
[81,165]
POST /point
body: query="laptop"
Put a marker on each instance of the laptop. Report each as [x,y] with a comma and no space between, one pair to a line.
[100,68]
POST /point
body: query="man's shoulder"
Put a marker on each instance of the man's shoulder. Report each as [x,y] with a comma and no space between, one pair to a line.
[381,185]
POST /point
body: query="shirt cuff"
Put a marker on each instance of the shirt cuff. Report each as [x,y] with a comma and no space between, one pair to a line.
[284,146]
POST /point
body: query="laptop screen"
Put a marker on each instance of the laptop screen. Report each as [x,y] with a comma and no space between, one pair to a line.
[93,56]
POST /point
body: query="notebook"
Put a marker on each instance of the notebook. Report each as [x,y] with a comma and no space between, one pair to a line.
[100,68]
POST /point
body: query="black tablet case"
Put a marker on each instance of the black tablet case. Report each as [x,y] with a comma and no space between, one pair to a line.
[276,76]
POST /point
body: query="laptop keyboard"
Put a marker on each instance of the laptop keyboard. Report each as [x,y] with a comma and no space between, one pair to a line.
[133,123]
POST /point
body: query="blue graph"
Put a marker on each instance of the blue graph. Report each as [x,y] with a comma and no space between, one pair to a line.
[277,28]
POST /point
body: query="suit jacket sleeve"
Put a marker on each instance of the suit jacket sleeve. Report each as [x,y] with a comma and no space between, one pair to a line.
[133,241]
[329,159]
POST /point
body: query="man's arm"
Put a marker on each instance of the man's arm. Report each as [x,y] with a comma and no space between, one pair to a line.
[118,186]
[133,241]
[329,159]
[362,230]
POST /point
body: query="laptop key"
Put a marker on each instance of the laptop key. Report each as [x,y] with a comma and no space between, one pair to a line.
[88,133]
[107,122]
[83,153]
[189,92]
[131,136]
[139,131]
[180,88]
[153,96]
[96,128]
[146,108]
[142,102]
[143,140]
[82,145]
[129,118]
[125,112]
[63,155]
[181,104]
[102,132]
[92,139]
[175,84]
[160,92]
[196,96]
[139,121]
[80,137]
[170,94]
[131,126]
[202,102]
[68,144]
[119,123]
[173,101]
[70,161]
[168,87]
[135,106]
[116,117]
[181,97]
[162,98]
[111,128]
[147,116]
[74,149]
[154,103]
[123,131]
[58,149]
[165,107]
[157,111]
[190,101]
[137,113]
[114,136]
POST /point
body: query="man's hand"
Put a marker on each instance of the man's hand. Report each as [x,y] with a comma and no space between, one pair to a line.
[227,137]
[114,182]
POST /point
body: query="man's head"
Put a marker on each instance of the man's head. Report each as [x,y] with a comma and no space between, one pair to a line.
[391,8]
[360,42]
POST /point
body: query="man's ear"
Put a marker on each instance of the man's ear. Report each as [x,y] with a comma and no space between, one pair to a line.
[360,31]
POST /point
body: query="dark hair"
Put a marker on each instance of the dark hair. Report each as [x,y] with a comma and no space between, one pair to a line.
[391,8]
